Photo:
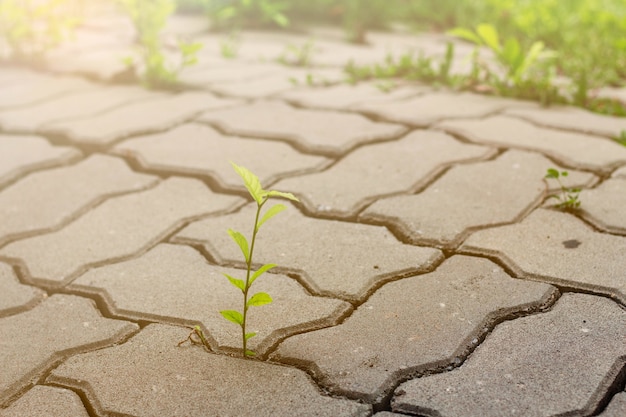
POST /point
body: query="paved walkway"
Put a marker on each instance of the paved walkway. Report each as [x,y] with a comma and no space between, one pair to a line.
[424,273]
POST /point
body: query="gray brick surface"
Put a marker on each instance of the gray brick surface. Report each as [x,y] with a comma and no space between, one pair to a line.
[118,228]
[38,339]
[556,363]
[15,296]
[39,88]
[148,375]
[333,258]
[604,205]
[45,401]
[412,325]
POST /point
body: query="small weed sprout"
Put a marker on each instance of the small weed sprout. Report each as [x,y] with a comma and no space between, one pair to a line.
[261,197]
[229,47]
[297,55]
[621,139]
[568,197]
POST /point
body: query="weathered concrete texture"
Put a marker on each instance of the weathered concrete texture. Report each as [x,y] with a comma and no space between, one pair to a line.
[14,296]
[215,73]
[115,229]
[38,89]
[100,62]
[473,199]
[557,363]
[148,376]
[199,149]
[616,408]
[283,80]
[21,154]
[558,248]
[572,118]
[429,108]
[380,169]
[70,106]
[344,96]
[313,130]
[45,401]
[131,119]
[413,325]
[49,198]
[334,258]
[620,173]
[575,149]
[605,205]
[175,284]
[34,341]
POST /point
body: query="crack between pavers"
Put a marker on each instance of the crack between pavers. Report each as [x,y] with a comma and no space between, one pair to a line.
[561,128]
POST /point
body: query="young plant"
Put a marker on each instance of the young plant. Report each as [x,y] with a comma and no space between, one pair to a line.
[229,47]
[621,139]
[261,197]
[236,14]
[297,55]
[568,198]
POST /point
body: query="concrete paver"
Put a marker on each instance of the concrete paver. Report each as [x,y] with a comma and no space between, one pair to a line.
[46,401]
[617,406]
[564,251]
[200,149]
[599,205]
[429,108]
[41,88]
[21,154]
[38,339]
[411,325]
[79,104]
[47,199]
[468,197]
[555,363]
[124,121]
[115,229]
[333,258]
[569,148]
[317,131]
[187,381]
[381,169]
[14,296]
[572,118]
[175,284]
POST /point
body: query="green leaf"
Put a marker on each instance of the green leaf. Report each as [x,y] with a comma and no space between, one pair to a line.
[281,20]
[233,315]
[274,210]
[236,282]
[531,57]
[272,193]
[251,181]
[489,35]
[242,242]
[564,173]
[260,272]
[259,299]
[250,335]
[468,35]
[552,173]
[250,353]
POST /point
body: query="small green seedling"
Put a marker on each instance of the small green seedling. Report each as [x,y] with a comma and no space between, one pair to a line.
[621,139]
[568,198]
[261,197]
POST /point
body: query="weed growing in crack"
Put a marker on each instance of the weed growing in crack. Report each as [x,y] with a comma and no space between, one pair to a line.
[568,198]
[621,139]
[297,55]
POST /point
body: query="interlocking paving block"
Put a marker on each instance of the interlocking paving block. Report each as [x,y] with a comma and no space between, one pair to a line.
[118,228]
[556,363]
[213,73]
[102,62]
[604,205]
[42,88]
[334,258]
[572,118]
[558,248]
[576,149]
[429,108]
[615,93]
[71,106]
[283,80]
[14,75]
[468,197]
[149,376]
[344,96]
[620,173]
[199,149]
[36,340]
[15,296]
[45,401]
[141,117]
[49,198]
[616,408]
[174,283]
[380,169]
[413,325]
[21,154]
[314,130]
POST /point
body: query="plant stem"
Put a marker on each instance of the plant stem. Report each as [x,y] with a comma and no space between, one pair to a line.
[247,286]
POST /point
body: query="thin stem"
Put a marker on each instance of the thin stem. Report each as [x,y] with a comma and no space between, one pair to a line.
[247,286]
